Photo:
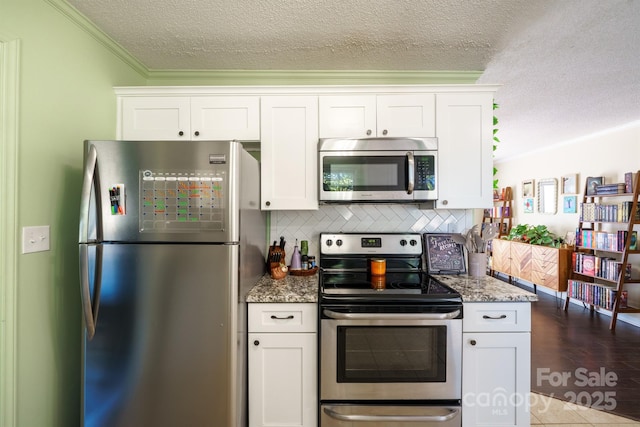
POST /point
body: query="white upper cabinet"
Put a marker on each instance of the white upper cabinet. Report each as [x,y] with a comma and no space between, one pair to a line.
[289,152]
[347,116]
[160,118]
[357,116]
[191,118]
[464,127]
[225,117]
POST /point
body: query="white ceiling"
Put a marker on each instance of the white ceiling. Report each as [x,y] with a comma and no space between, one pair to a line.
[568,68]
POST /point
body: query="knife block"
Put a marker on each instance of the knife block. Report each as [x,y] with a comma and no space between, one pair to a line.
[275,267]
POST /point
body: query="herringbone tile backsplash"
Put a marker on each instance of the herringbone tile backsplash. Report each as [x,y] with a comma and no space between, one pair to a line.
[307,225]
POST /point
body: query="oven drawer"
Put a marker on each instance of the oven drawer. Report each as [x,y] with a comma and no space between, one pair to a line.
[497,317]
[287,317]
[375,415]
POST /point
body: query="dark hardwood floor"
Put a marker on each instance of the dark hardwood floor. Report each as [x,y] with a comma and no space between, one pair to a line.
[600,368]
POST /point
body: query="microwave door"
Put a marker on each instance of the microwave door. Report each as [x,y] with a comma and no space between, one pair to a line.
[365,176]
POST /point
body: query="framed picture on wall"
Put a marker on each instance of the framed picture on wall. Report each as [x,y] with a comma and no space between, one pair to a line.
[528,189]
[569,184]
[569,204]
[592,184]
[528,205]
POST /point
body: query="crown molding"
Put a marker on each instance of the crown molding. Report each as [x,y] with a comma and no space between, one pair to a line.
[84,23]
[308,77]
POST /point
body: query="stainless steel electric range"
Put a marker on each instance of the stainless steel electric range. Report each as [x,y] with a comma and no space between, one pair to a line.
[390,334]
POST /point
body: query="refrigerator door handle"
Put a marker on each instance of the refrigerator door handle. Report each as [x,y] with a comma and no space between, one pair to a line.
[90,179]
[89,306]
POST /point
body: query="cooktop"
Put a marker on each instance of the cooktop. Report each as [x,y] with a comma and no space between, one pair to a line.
[393,286]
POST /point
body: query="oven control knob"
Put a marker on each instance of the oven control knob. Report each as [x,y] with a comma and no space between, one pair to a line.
[339,242]
[413,242]
[329,242]
[403,242]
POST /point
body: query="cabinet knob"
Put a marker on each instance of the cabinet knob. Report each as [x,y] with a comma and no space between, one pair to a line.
[196,133]
[256,342]
[384,132]
[268,203]
[180,133]
[472,342]
[445,202]
[368,131]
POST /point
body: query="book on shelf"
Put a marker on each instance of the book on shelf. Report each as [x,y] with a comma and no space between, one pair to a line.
[634,241]
[588,265]
[624,299]
[628,182]
[607,212]
[617,188]
[592,293]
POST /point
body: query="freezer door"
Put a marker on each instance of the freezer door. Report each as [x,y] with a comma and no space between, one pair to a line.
[164,351]
[162,191]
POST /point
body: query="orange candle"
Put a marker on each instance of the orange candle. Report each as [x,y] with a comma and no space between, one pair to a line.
[378,282]
[378,266]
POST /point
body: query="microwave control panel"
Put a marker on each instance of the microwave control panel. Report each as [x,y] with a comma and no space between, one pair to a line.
[425,172]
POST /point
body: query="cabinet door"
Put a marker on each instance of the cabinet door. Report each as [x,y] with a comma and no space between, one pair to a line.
[501,256]
[159,118]
[347,116]
[406,115]
[289,152]
[496,379]
[282,380]
[464,123]
[225,118]
[521,260]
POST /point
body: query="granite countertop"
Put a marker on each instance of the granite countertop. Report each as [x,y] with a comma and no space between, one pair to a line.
[486,289]
[305,289]
[289,289]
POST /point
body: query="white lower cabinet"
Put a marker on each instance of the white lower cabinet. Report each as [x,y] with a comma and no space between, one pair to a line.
[282,365]
[496,364]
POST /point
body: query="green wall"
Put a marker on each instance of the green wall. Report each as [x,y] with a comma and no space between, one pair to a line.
[65,95]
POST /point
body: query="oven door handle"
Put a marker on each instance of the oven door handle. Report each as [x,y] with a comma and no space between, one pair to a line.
[330,411]
[391,316]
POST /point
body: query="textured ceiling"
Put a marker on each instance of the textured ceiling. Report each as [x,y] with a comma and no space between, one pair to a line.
[567,68]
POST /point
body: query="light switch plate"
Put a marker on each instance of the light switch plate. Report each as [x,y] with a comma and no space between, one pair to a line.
[35,239]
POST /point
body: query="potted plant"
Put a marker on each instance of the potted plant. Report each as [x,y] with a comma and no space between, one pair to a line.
[535,235]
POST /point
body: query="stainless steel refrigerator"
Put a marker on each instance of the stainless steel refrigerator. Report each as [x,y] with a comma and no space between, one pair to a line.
[171,239]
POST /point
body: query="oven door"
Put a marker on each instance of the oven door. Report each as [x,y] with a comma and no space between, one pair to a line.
[345,415]
[390,356]
[378,176]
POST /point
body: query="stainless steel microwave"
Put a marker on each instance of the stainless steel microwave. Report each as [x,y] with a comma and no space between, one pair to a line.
[378,169]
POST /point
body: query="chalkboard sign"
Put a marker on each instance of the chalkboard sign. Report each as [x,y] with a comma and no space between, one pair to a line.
[444,256]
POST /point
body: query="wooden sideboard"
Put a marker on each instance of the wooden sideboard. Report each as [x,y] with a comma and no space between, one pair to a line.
[540,265]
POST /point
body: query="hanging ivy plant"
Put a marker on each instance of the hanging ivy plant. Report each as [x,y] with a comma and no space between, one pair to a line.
[496,140]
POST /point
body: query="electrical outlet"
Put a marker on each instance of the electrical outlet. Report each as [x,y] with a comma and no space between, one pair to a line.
[35,239]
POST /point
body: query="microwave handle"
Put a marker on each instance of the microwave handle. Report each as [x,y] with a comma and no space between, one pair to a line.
[410,172]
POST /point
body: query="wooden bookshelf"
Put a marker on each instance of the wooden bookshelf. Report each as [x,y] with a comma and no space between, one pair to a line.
[501,213]
[606,250]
